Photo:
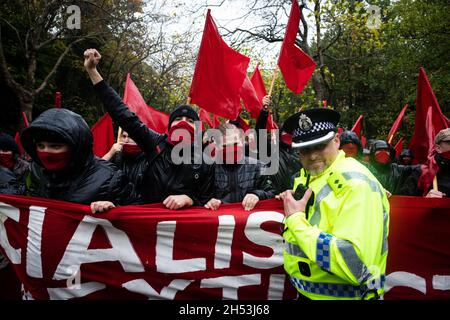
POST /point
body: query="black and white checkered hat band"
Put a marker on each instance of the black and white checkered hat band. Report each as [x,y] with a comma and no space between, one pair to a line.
[317,127]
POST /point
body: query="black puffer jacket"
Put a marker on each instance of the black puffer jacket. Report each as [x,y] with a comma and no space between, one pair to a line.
[134,167]
[162,177]
[87,178]
[392,176]
[411,188]
[234,181]
[9,183]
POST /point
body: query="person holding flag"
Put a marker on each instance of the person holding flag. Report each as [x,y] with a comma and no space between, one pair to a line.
[433,179]
[177,185]
[10,157]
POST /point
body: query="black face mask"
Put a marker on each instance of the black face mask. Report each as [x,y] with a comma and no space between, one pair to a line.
[442,162]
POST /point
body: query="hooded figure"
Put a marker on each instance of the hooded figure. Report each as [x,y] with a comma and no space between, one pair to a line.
[406,157]
[351,144]
[77,175]
[391,175]
[10,157]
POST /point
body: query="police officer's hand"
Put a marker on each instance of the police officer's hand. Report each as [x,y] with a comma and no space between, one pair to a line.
[101,206]
[178,202]
[213,204]
[291,205]
[250,201]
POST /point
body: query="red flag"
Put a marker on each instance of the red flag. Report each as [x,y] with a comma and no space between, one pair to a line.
[340,130]
[398,147]
[152,118]
[258,83]
[219,74]
[19,144]
[205,118]
[430,168]
[252,102]
[363,141]
[103,135]
[216,121]
[419,143]
[358,126]
[295,65]
[396,124]
[325,103]
[57,99]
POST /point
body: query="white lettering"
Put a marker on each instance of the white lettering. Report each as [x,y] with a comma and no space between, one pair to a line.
[231,284]
[34,259]
[141,286]
[225,231]
[8,211]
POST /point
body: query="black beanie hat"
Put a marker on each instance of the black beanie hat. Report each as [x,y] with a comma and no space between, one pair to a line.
[7,143]
[183,111]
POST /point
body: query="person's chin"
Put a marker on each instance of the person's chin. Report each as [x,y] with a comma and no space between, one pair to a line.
[316,169]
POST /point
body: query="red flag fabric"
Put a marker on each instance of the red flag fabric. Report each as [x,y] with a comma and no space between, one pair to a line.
[325,103]
[396,124]
[59,250]
[103,134]
[398,147]
[363,141]
[205,118]
[19,144]
[295,65]
[152,118]
[419,143]
[57,99]
[216,121]
[430,168]
[219,74]
[357,127]
[258,83]
[252,102]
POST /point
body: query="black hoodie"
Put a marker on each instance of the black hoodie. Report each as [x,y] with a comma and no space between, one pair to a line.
[87,178]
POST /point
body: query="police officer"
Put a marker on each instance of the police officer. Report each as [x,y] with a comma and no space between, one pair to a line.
[336,233]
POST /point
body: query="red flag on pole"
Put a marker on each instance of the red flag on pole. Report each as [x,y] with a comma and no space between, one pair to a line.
[258,83]
[363,141]
[398,147]
[419,143]
[57,99]
[357,127]
[219,74]
[250,98]
[396,124]
[295,65]
[205,118]
[103,135]
[430,168]
[152,118]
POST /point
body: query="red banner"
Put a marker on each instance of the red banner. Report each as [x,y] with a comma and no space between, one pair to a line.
[61,251]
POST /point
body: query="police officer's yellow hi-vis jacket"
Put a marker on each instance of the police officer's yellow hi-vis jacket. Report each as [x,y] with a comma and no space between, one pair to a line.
[340,250]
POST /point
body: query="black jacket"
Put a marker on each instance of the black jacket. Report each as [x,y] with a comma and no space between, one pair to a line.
[234,181]
[87,178]
[411,188]
[393,176]
[162,177]
[9,183]
[134,167]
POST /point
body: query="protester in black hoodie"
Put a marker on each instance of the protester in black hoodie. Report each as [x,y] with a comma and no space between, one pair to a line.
[177,185]
[10,157]
[64,167]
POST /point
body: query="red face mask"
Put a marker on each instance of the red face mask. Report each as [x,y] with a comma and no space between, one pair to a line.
[7,160]
[54,161]
[382,157]
[233,153]
[187,133]
[350,149]
[446,155]
[406,160]
[131,149]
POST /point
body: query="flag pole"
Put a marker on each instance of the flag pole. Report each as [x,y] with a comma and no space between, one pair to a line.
[435,185]
[274,76]
[188,100]
[119,134]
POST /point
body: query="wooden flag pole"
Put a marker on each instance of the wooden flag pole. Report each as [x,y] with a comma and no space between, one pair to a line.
[435,185]
[119,134]
[273,81]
